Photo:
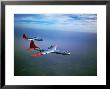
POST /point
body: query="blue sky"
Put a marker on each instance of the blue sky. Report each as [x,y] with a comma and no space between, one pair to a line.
[63,22]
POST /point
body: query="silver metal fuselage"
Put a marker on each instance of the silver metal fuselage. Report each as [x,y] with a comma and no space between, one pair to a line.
[52,49]
[49,50]
[36,39]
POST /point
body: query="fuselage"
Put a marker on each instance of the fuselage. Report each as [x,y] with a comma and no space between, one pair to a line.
[49,50]
[52,49]
[37,39]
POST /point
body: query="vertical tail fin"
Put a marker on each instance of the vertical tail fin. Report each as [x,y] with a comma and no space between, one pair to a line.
[24,36]
[55,47]
[32,45]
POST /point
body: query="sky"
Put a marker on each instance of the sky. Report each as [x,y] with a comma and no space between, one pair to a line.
[63,22]
[68,32]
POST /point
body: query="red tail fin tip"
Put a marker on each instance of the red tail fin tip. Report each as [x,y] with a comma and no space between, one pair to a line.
[24,36]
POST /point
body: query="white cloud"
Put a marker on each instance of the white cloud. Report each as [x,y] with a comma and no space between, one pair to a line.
[66,22]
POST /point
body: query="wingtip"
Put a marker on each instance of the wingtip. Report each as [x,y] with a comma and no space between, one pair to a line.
[37,54]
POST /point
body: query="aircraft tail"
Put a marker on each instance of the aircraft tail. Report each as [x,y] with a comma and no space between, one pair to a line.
[55,47]
[24,36]
[32,45]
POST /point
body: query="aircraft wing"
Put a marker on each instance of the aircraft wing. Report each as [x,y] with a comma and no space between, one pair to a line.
[40,50]
[37,54]
[40,53]
[38,39]
[61,52]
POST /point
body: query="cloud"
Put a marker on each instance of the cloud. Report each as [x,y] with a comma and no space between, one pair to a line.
[64,22]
